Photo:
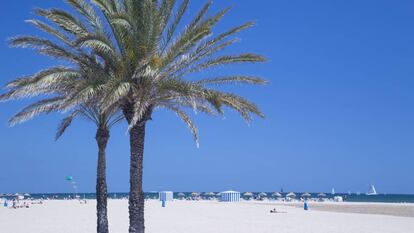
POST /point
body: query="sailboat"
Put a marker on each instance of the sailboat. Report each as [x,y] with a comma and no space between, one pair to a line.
[372,191]
[333,191]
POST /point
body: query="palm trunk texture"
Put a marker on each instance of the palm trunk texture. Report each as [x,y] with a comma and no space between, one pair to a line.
[102,137]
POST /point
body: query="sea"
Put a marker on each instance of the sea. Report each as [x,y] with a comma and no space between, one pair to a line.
[353,197]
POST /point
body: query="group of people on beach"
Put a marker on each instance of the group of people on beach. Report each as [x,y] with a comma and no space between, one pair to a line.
[15,204]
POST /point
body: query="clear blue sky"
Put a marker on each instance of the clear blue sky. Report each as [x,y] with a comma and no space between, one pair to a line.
[339,109]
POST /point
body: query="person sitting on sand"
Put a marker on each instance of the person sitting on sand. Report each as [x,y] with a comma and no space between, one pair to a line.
[273,211]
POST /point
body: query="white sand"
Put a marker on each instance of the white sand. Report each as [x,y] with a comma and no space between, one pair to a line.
[200,217]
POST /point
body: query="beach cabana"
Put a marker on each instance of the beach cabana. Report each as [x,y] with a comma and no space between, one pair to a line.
[230,196]
[166,195]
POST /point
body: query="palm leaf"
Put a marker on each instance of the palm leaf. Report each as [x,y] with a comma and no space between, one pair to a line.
[64,124]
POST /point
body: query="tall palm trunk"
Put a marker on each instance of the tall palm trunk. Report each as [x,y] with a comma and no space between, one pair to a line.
[102,137]
[136,193]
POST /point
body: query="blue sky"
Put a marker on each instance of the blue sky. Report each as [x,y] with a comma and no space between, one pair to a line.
[339,109]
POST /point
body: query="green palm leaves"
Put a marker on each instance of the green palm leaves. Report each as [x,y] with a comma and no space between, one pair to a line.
[125,53]
[125,59]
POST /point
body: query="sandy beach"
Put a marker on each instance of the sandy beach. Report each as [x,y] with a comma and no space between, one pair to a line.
[391,209]
[212,216]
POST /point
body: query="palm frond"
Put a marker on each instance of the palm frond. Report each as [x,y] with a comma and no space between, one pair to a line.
[64,124]
[107,6]
[232,80]
[186,119]
[87,11]
[100,45]
[42,106]
[175,22]
[48,29]
[228,59]
[44,46]
[64,20]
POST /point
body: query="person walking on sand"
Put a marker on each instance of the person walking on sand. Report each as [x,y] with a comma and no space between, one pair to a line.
[305,205]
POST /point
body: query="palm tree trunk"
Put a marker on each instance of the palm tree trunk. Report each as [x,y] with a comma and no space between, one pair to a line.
[102,137]
[136,193]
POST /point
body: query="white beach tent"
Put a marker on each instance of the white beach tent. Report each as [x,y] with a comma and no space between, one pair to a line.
[166,195]
[230,196]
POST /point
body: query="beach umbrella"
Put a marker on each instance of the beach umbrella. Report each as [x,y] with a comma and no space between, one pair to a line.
[262,194]
[181,194]
[291,194]
[306,195]
[210,194]
[195,194]
[321,195]
[27,195]
[19,196]
[248,194]
[276,195]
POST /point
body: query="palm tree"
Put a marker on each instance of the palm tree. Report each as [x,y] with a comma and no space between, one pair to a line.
[75,89]
[153,62]
[152,65]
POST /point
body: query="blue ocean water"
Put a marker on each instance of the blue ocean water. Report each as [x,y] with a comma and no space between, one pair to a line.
[386,198]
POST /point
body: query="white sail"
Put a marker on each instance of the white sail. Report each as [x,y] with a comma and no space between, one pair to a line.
[372,191]
[333,191]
